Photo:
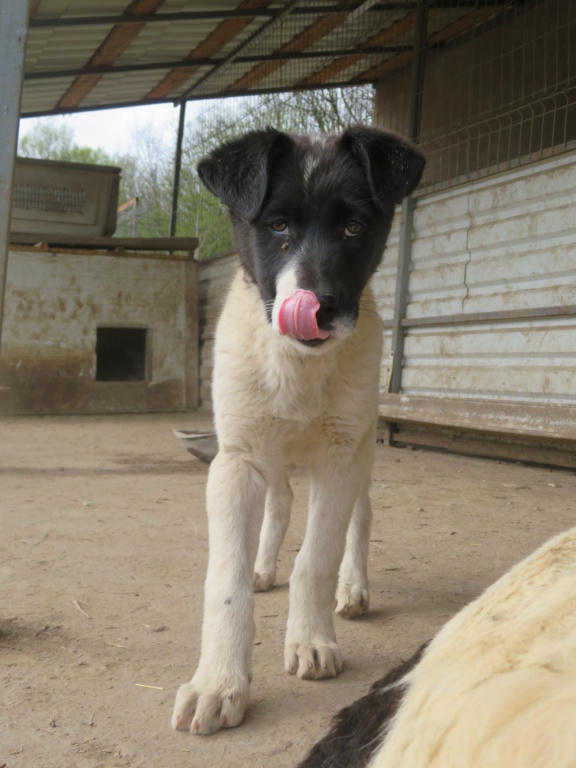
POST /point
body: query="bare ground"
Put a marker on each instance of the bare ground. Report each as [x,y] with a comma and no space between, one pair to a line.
[103,551]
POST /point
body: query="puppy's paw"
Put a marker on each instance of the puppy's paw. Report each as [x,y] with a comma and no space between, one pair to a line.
[205,712]
[263,580]
[352,600]
[313,661]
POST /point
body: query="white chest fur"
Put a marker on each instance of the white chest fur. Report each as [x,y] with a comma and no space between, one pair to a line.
[260,375]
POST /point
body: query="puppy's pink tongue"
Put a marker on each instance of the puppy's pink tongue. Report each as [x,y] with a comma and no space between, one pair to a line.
[297,317]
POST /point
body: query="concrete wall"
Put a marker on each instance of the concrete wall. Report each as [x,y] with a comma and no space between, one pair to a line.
[56,300]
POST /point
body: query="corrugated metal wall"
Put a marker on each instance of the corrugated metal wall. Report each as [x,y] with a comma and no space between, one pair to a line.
[506,245]
[489,362]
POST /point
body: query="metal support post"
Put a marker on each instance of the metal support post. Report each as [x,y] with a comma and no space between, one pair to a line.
[177,168]
[13,31]
[407,223]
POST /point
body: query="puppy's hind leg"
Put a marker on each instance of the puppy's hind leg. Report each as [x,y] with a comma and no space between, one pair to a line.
[352,595]
[276,520]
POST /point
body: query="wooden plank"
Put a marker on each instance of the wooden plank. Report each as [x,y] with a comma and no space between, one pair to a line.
[78,91]
[384,37]
[525,419]
[400,28]
[486,446]
[109,243]
[117,40]
[219,37]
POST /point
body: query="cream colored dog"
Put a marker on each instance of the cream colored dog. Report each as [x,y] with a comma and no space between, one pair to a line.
[496,687]
[296,379]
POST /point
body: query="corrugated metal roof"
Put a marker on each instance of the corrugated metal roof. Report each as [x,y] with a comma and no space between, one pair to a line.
[84,54]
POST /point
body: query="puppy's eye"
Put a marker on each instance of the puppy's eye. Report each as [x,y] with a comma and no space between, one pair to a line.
[280,226]
[353,228]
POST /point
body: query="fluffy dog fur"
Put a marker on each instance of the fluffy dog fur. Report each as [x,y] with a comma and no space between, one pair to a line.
[309,214]
[496,687]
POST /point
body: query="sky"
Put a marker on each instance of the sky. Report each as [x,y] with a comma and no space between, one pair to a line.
[112,129]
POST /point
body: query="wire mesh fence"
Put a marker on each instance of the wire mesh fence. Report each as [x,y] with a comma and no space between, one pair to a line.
[498,95]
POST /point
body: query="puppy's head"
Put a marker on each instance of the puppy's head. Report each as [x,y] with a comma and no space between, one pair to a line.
[311,215]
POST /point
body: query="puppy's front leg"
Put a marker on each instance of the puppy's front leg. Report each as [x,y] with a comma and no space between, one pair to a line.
[217,695]
[311,650]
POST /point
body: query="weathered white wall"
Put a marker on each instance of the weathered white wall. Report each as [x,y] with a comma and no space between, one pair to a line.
[54,303]
[504,244]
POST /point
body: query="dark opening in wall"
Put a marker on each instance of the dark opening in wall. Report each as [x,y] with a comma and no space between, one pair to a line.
[121,354]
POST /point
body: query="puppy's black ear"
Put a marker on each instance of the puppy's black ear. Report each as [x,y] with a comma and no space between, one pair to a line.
[393,166]
[238,171]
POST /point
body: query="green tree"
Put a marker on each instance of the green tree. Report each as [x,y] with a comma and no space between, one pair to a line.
[50,141]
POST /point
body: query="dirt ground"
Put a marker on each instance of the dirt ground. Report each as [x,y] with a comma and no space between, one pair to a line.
[103,550]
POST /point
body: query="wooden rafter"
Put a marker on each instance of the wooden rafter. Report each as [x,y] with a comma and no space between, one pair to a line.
[117,40]
[214,42]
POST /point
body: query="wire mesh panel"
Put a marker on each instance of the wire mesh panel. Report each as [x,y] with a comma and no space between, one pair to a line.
[499,89]
[40,198]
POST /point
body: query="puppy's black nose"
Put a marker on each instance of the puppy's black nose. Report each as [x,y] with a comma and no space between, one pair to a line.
[328,309]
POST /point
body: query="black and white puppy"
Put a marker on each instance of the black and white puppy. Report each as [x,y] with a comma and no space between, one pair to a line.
[296,379]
